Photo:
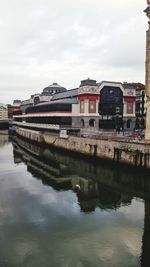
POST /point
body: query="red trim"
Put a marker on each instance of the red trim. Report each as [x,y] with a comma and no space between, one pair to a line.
[129,99]
[88,96]
[16,109]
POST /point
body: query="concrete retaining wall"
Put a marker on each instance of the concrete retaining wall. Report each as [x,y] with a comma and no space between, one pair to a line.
[29,134]
[136,154]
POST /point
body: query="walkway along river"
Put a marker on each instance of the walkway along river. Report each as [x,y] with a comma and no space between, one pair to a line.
[46,220]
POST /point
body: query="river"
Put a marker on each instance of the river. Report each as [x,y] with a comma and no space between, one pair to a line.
[62,211]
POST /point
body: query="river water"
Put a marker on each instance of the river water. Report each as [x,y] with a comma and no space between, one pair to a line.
[62,211]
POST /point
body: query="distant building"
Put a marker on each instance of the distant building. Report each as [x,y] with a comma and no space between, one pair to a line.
[10,111]
[140,98]
[3,112]
[4,124]
[140,110]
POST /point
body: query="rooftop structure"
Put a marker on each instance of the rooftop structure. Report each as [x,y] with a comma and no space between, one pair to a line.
[89,82]
[53,89]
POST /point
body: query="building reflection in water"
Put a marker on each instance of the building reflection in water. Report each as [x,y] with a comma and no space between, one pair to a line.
[107,188]
[63,173]
[98,187]
[4,137]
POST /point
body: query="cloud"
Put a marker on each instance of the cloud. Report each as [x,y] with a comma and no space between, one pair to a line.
[67,41]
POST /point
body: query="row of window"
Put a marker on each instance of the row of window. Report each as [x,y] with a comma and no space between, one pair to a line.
[50,107]
[47,120]
[110,109]
[108,124]
[105,108]
[17,112]
[103,124]
[91,107]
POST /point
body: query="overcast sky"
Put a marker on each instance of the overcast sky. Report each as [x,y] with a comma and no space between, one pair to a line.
[66,41]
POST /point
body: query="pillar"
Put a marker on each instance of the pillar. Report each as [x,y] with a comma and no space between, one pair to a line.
[147,74]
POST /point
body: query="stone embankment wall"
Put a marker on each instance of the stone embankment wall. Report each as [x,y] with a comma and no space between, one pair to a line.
[29,134]
[136,154]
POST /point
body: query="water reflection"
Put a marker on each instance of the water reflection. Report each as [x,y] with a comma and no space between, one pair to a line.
[63,173]
[3,137]
[106,187]
[46,220]
[145,257]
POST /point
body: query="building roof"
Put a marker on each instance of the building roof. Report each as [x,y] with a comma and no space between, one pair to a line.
[136,86]
[16,101]
[99,83]
[73,100]
[67,94]
[62,101]
[53,88]
[26,101]
[88,82]
[3,105]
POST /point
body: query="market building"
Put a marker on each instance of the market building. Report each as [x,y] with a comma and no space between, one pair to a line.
[92,106]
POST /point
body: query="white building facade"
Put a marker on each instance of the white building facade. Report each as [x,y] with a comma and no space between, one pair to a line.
[3,112]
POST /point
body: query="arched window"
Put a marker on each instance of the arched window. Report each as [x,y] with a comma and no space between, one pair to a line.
[129,123]
[92,123]
[82,123]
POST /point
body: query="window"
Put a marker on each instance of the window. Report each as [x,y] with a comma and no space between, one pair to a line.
[82,106]
[129,124]
[92,123]
[130,108]
[82,123]
[92,106]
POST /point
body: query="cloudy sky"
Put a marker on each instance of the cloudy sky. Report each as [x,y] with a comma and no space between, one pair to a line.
[66,41]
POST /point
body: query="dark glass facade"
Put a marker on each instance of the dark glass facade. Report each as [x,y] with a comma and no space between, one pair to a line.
[50,120]
[111,101]
[50,107]
[111,108]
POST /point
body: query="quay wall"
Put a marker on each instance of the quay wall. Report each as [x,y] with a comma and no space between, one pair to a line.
[132,153]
